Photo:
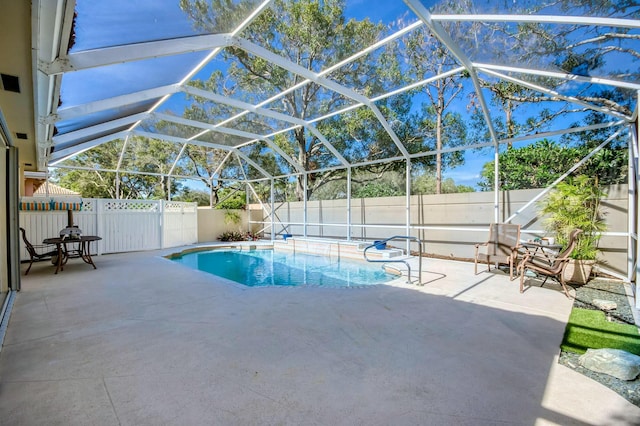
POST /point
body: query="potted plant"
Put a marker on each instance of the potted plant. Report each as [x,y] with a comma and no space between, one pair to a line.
[575,203]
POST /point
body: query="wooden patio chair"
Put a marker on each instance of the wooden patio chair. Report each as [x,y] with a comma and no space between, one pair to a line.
[501,248]
[554,267]
[38,251]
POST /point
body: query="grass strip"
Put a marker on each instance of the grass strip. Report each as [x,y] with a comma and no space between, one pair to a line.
[589,329]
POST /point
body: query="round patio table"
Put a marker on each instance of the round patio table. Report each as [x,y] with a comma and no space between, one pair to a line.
[73,247]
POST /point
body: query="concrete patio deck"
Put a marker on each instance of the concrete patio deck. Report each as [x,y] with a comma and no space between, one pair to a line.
[145,341]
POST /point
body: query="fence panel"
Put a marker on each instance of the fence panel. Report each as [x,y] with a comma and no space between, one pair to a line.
[129,225]
[124,225]
[39,225]
[180,223]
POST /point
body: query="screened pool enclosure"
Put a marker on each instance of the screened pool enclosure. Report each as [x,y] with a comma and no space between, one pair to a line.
[321,100]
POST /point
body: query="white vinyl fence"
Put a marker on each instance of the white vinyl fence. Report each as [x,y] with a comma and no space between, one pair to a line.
[124,225]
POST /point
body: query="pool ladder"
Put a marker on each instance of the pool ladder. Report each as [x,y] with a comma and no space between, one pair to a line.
[399,237]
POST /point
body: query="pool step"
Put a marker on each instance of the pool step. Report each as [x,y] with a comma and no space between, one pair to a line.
[337,248]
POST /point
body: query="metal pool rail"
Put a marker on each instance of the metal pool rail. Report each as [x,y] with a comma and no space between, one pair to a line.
[399,237]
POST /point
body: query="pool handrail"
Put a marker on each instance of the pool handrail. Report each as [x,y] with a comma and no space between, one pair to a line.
[399,237]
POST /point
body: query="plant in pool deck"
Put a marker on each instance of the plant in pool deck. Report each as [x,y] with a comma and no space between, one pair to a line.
[232,236]
[576,204]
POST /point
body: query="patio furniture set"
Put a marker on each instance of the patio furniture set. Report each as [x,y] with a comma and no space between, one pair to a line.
[540,257]
[69,244]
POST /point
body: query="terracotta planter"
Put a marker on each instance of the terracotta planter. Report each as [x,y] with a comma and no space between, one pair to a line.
[578,271]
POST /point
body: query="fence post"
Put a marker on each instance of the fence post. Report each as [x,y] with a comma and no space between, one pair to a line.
[162,222]
[99,218]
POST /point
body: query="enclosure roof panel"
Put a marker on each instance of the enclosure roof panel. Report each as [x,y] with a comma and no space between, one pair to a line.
[266,81]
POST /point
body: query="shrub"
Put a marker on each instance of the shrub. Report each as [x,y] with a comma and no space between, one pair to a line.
[231,236]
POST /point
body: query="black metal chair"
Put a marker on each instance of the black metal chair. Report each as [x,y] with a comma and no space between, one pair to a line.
[38,251]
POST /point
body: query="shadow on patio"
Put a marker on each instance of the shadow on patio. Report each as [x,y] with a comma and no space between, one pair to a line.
[142,340]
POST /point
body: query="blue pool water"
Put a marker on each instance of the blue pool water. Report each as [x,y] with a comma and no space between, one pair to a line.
[260,268]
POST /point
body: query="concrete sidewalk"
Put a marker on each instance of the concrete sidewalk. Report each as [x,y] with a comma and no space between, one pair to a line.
[145,341]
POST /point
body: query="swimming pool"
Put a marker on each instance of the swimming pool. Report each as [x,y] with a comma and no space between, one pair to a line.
[261,268]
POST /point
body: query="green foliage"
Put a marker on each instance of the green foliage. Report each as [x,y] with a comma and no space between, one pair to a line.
[313,35]
[426,184]
[232,217]
[575,204]
[541,163]
[232,236]
[142,154]
[231,199]
[193,196]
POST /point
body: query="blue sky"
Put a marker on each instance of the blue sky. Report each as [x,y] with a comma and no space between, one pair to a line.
[118,22]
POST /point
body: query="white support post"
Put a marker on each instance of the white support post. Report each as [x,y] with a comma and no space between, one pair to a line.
[631,200]
[211,192]
[162,222]
[349,203]
[100,218]
[273,211]
[408,205]
[117,185]
[496,184]
[637,203]
[304,200]
[247,200]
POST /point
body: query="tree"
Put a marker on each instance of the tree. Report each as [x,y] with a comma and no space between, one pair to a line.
[428,57]
[596,50]
[426,184]
[190,195]
[541,163]
[311,34]
[143,155]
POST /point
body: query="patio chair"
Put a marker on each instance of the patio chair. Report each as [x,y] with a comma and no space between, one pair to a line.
[501,248]
[37,252]
[541,265]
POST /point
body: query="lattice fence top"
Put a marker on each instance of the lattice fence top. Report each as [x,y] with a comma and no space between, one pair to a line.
[132,205]
[88,205]
[179,206]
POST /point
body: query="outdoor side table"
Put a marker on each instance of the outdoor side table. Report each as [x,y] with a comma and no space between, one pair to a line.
[73,247]
[548,251]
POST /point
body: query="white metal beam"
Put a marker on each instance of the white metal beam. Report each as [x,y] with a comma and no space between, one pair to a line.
[255,165]
[257,11]
[542,19]
[436,28]
[98,128]
[110,103]
[334,67]
[177,160]
[225,100]
[322,81]
[206,126]
[179,140]
[294,68]
[567,173]
[559,75]
[219,168]
[328,144]
[556,94]
[122,151]
[251,137]
[128,172]
[133,52]
[64,154]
